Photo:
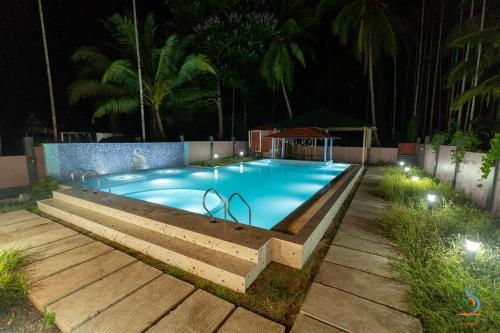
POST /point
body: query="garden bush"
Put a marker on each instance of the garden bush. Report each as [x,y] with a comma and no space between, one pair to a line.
[13,280]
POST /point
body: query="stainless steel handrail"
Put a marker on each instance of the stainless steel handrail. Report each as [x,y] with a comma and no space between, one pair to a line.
[238,227]
[84,179]
[99,185]
[205,206]
[75,171]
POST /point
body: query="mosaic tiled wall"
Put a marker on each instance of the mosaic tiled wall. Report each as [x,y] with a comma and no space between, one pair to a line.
[108,158]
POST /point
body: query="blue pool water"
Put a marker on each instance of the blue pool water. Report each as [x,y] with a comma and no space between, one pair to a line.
[273,188]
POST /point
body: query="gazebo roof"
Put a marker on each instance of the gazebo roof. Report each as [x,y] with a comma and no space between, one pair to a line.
[323,118]
[302,133]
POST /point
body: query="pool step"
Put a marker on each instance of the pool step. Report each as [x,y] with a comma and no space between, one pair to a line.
[224,269]
[134,211]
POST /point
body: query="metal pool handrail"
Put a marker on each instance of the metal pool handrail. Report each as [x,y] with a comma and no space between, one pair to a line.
[84,179]
[238,227]
[99,185]
[75,171]
[205,206]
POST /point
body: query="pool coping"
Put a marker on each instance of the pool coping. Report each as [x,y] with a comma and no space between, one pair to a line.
[289,249]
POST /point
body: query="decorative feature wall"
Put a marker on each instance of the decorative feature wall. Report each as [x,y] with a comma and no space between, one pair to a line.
[108,158]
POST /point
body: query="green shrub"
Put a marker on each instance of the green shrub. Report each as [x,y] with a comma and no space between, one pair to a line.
[13,281]
[42,189]
[223,161]
[434,262]
[48,318]
[398,188]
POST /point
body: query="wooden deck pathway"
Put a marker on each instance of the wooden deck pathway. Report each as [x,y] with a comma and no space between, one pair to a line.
[92,287]
[355,289]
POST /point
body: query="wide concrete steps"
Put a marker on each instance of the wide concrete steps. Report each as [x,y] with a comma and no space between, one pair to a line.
[224,269]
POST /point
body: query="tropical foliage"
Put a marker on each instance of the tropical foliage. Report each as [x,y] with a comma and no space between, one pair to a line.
[114,83]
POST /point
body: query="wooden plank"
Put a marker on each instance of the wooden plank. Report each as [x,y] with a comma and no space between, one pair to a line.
[362,261]
[355,314]
[52,265]
[136,312]
[200,313]
[244,321]
[15,217]
[38,239]
[365,245]
[375,288]
[27,233]
[86,303]
[48,250]
[11,228]
[306,324]
[55,287]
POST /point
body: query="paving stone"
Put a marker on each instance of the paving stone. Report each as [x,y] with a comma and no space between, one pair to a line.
[86,303]
[27,233]
[52,265]
[22,225]
[244,321]
[136,312]
[55,287]
[361,228]
[33,239]
[59,246]
[344,239]
[367,262]
[370,214]
[200,313]
[375,288]
[15,217]
[355,314]
[306,324]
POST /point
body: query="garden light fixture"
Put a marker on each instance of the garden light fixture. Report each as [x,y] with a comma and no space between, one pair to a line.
[401,163]
[406,170]
[242,153]
[415,178]
[472,246]
[216,156]
[431,199]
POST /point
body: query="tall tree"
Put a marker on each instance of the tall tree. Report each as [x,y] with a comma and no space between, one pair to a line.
[374,28]
[49,74]
[166,73]
[277,68]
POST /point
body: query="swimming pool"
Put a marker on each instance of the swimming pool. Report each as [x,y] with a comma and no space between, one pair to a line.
[272,188]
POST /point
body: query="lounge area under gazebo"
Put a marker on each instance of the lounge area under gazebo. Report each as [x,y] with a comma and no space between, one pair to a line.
[301,143]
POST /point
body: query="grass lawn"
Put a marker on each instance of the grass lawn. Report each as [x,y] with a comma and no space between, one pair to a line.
[435,262]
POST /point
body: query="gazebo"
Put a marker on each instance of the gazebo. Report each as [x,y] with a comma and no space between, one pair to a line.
[311,134]
[322,119]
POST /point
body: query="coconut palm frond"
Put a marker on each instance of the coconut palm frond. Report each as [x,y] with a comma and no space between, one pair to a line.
[193,65]
[165,58]
[183,96]
[346,20]
[122,73]
[116,105]
[93,89]
[91,57]
[488,88]
[297,53]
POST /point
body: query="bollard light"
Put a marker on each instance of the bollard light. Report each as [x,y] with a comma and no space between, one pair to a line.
[431,199]
[216,156]
[415,178]
[472,246]
[242,153]
[401,163]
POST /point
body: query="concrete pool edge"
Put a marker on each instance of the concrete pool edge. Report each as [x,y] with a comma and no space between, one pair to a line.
[255,245]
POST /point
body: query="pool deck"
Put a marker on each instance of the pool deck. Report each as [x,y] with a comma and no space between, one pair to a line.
[92,287]
[355,289]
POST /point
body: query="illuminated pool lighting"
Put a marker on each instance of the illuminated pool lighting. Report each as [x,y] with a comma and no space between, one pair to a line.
[126,177]
[241,168]
[216,174]
[161,181]
[472,246]
[169,171]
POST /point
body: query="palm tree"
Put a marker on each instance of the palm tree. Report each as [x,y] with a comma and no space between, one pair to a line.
[49,75]
[277,67]
[374,28]
[165,73]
